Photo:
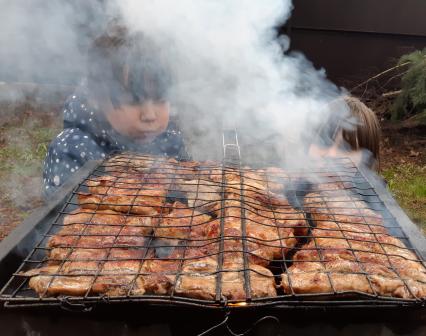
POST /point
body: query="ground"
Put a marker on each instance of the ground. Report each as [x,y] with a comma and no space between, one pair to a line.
[403,165]
[24,136]
[26,130]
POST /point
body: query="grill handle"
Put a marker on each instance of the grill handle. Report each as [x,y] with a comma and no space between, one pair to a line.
[75,307]
[265,326]
[231,147]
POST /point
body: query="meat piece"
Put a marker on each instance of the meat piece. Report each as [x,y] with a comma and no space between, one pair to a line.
[106,222]
[180,222]
[198,279]
[56,255]
[341,207]
[406,269]
[158,276]
[358,238]
[261,240]
[126,197]
[264,180]
[86,229]
[348,276]
[269,234]
[131,163]
[48,285]
[256,188]
[262,282]
[91,242]
[193,170]
[292,224]
[118,277]
[83,254]
[78,278]
[324,283]
[201,194]
[259,181]
[350,256]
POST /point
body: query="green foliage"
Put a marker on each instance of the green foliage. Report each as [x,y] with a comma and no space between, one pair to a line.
[412,100]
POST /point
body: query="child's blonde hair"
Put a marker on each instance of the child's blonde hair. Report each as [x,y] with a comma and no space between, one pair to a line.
[366,133]
[360,130]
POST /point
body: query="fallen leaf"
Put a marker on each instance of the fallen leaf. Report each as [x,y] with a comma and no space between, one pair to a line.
[414,153]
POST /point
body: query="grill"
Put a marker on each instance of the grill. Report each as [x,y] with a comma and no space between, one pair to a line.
[230,202]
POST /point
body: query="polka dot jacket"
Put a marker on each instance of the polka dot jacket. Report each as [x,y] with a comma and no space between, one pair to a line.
[87,135]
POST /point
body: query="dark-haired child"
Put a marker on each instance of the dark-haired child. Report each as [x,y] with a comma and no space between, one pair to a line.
[122,106]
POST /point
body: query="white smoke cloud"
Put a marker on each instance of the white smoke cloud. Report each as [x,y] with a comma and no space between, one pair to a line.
[230,69]
[46,41]
[228,64]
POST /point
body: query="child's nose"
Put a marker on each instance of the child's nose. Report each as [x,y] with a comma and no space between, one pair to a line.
[148,112]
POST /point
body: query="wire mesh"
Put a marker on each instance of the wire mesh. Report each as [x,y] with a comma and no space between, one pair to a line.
[157,230]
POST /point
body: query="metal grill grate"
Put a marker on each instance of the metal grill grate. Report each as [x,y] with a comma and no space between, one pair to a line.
[206,234]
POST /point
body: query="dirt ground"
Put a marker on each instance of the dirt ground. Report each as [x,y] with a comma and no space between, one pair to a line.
[402,146]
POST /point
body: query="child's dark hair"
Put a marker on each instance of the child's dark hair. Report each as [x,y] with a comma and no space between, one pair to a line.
[126,68]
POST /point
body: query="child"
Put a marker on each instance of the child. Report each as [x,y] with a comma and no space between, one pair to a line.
[361,142]
[122,106]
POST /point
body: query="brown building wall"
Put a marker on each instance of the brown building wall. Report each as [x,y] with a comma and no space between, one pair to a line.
[353,39]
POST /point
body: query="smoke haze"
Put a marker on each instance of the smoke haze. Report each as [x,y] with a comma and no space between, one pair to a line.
[230,70]
[46,41]
[229,67]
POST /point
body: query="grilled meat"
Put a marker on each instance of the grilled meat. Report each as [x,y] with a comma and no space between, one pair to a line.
[199,276]
[349,254]
[106,222]
[198,279]
[342,207]
[202,194]
[158,276]
[80,278]
[132,196]
[136,164]
[56,255]
[180,222]
[268,234]
[261,281]
[85,229]
[239,217]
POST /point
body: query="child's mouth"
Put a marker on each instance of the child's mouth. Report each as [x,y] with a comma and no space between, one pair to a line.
[145,136]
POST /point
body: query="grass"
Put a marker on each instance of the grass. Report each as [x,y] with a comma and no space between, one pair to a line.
[407,182]
[23,146]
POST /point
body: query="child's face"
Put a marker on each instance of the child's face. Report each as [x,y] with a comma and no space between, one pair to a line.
[142,122]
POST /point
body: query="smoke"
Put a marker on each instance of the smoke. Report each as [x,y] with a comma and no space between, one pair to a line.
[230,70]
[45,41]
[43,58]
[228,66]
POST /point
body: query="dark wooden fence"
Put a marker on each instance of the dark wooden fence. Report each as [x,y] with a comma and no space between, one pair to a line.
[354,39]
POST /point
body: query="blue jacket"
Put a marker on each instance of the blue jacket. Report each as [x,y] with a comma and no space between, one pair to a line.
[87,135]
